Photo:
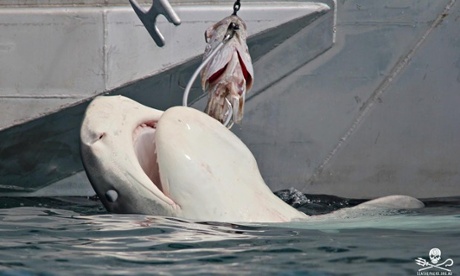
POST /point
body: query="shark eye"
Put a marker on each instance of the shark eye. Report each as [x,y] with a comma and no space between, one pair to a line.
[111,196]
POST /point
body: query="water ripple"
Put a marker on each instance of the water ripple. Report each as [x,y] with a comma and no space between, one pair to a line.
[53,241]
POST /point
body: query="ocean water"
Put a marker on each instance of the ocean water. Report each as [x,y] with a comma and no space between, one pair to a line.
[75,236]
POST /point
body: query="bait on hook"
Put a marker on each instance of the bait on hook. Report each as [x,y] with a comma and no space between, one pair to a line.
[230,33]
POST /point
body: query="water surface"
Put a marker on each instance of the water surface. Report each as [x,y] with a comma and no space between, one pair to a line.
[77,237]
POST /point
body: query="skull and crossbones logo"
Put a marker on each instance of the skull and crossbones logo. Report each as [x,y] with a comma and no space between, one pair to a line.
[435,255]
[435,258]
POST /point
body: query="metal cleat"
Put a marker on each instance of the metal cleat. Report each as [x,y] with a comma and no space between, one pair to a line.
[149,17]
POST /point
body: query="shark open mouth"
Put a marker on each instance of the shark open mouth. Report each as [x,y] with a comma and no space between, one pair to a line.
[145,149]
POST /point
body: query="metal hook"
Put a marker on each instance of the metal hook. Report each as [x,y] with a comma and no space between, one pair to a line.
[229,115]
[232,28]
[197,71]
[149,17]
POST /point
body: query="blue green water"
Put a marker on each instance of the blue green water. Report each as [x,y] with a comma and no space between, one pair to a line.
[77,237]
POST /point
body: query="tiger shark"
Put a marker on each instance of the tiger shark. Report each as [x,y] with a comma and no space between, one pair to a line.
[180,163]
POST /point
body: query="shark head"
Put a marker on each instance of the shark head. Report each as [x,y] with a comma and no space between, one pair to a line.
[118,152]
[179,163]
